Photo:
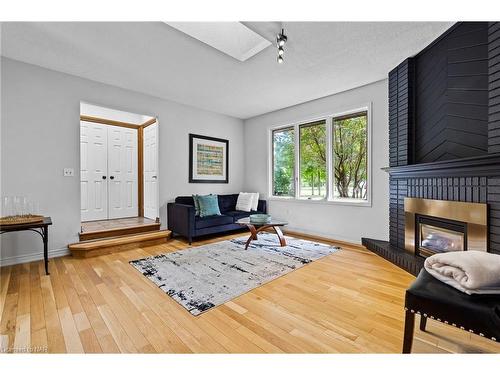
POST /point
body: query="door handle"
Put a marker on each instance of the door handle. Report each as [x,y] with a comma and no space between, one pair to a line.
[103,177]
[111,177]
[154,177]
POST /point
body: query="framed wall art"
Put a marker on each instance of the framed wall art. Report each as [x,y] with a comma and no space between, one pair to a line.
[208,159]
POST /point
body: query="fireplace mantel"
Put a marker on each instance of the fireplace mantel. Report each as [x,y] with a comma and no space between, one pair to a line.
[478,166]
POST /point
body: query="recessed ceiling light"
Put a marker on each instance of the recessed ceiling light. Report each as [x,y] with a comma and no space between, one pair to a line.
[232,38]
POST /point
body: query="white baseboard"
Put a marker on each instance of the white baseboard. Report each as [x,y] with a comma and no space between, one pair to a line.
[329,236]
[27,258]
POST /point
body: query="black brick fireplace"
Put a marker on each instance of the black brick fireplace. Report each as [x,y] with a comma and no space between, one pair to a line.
[444,132]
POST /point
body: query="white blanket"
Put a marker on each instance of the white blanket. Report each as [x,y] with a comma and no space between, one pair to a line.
[472,272]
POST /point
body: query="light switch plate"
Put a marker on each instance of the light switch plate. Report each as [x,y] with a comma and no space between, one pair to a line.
[68,172]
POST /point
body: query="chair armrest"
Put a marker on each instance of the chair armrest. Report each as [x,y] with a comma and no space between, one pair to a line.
[262,206]
[180,218]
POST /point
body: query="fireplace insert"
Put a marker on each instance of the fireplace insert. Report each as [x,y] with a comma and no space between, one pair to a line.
[437,235]
[436,226]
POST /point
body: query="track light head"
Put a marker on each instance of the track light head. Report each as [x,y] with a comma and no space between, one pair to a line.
[281,38]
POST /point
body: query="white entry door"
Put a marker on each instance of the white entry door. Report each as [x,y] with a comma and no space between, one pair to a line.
[150,147]
[93,171]
[122,172]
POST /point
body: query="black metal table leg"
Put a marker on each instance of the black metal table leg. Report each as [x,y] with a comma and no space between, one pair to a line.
[45,237]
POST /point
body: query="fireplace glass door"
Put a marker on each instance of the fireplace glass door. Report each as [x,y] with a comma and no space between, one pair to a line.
[437,236]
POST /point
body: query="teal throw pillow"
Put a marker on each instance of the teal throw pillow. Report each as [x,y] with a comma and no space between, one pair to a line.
[209,205]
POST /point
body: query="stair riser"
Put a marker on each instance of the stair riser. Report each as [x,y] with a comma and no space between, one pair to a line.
[116,248]
[118,232]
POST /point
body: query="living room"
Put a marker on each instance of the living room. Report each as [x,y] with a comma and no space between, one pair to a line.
[248,187]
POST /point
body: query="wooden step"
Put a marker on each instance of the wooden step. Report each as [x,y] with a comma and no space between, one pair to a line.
[92,248]
[115,232]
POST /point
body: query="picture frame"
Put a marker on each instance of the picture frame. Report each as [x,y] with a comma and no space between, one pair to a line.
[208,159]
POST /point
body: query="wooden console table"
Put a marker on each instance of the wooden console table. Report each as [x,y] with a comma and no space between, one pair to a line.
[41,227]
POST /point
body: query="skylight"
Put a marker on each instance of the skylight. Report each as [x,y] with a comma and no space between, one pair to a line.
[232,38]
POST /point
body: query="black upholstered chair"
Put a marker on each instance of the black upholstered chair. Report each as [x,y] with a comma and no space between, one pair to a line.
[431,298]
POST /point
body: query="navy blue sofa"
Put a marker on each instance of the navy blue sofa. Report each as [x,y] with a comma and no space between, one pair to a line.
[183,221]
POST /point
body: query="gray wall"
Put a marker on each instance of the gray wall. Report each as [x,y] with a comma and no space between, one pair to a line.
[342,222]
[40,136]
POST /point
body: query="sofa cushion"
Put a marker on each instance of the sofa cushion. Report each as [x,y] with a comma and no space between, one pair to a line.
[196,204]
[208,205]
[185,200]
[212,221]
[237,215]
[244,202]
[255,203]
[227,202]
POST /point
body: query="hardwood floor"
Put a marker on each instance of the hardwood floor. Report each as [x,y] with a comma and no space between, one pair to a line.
[348,302]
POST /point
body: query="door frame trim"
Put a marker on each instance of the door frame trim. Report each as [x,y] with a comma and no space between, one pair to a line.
[140,158]
[140,150]
[149,122]
[140,169]
[104,121]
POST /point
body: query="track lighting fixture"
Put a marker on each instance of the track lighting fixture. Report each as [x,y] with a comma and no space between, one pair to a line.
[281,40]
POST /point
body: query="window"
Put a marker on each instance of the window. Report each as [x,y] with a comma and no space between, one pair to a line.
[313,160]
[284,162]
[326,159]
[350,157]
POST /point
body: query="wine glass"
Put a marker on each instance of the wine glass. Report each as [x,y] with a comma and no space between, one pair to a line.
[20,205]
[33,208]
[7,207]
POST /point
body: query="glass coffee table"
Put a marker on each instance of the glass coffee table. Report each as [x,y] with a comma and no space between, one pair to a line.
[256,227]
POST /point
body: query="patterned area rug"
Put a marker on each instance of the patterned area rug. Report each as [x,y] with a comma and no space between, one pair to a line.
[207,276]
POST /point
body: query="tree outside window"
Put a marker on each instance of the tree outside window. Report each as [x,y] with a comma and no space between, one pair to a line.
[313,160]
[284,162]
[350,157]
[347,156]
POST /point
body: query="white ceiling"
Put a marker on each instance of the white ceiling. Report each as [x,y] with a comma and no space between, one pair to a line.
[321,58]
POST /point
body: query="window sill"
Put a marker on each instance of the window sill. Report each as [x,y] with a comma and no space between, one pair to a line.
[321,201]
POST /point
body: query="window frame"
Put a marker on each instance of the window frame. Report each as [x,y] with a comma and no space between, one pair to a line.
[329,118]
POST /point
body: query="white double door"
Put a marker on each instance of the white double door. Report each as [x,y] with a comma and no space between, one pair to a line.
[109,171]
